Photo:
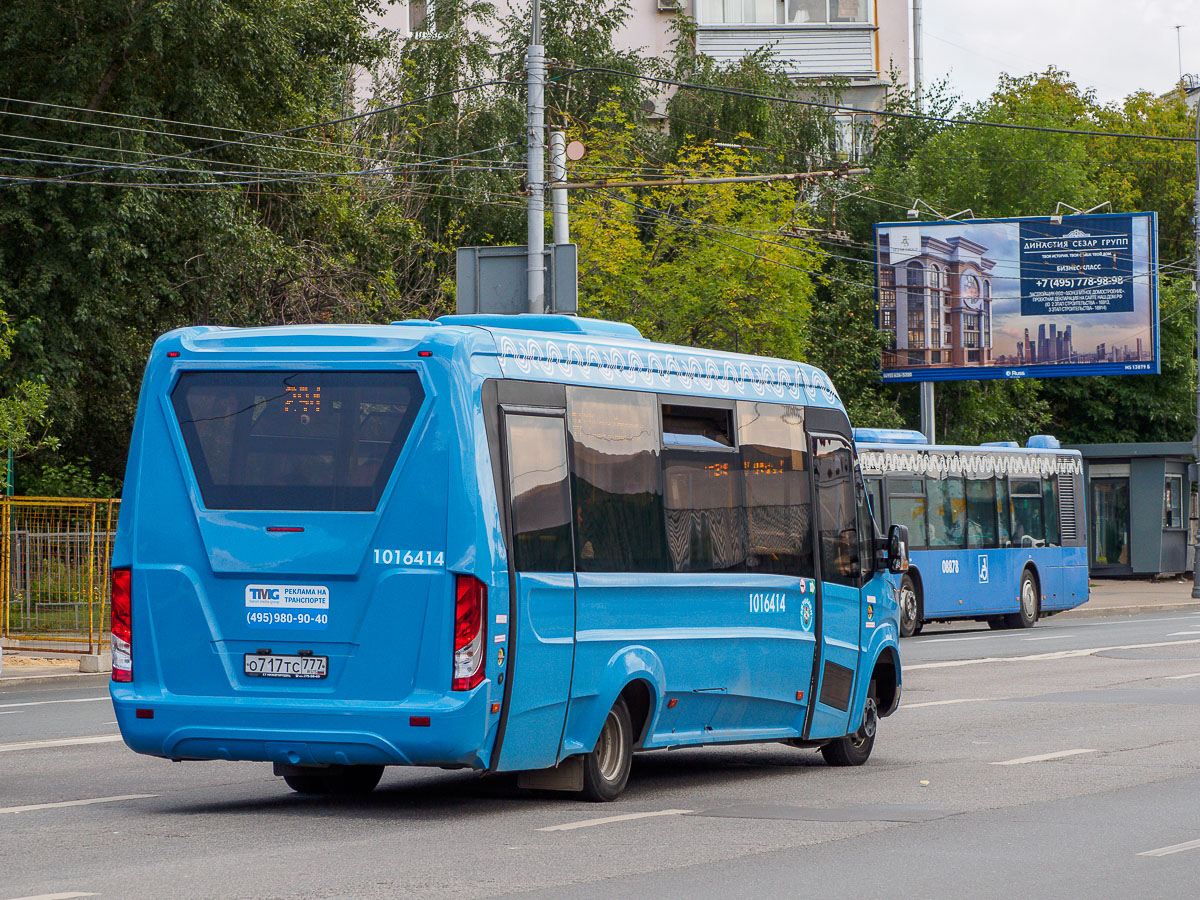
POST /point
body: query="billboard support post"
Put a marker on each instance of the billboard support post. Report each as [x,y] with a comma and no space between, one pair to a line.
[928,425]
[1196,288]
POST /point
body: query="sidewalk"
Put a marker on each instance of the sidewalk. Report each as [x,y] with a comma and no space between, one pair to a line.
[42,667]
[1127,597]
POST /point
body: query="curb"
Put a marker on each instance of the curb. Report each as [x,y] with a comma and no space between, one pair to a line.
[64,678]
[1084,612]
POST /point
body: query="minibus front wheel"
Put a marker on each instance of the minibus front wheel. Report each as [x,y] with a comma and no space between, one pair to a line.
[606,768]
[343,781]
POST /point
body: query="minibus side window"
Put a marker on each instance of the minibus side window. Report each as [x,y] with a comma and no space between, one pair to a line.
[616,481]
[777,493]
[541,503]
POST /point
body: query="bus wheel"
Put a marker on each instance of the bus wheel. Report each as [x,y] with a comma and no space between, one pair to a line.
[910,608]
[345,781]
[1028,613]
[854,749]
[606,769]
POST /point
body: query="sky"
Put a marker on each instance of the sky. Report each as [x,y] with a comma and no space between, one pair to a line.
[1114,46]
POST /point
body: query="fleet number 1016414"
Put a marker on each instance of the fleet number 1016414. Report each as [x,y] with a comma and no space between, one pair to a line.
[410,557]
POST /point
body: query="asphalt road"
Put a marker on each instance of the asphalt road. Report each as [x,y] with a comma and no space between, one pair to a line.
[1060,761]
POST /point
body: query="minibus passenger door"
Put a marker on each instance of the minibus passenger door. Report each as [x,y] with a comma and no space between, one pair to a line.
[839,573]
[542,628]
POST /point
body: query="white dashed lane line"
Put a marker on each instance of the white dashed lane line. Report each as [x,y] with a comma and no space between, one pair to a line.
[60,742]
[1174,848]
[65,803]
[69,895]
[628,817]
[48,702]
[1043,757]
[941,702]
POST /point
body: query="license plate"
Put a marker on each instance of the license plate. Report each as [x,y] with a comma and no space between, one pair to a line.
[269,665]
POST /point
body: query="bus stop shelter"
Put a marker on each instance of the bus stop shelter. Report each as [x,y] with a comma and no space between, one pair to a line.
[1138,501]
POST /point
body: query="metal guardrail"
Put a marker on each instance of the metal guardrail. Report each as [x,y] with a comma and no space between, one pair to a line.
[54,571]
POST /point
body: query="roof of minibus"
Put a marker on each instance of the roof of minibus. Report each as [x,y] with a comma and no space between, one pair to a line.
[566,349]
[994,450]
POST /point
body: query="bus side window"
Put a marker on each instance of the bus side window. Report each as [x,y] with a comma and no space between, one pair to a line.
[906,506]
[1003,513]
[616,480]
[777,495]
[1028,524]
[947,511]
[836,519]
[1050,503]
[981,512]
[541,504]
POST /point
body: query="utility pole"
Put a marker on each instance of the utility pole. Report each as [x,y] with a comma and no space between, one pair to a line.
[916,13]
[928,425]
[558,193]
[535,163]
[1196,287]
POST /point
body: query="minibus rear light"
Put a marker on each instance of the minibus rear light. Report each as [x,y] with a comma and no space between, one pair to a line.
[470,612]
[122,625]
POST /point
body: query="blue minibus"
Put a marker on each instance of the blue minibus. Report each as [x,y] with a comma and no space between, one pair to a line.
[997,532]
[530,544]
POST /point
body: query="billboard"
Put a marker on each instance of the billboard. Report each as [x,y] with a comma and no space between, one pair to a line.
[1018,298]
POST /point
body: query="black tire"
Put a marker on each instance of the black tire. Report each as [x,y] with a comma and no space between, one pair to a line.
[1027,615]
[606,768]
[342,781]
[854,749]
[911,607]
[997,623]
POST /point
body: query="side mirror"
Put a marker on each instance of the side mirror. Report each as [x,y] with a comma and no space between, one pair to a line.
[897,548]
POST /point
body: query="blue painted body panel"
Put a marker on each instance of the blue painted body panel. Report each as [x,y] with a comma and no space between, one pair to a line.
[692,638]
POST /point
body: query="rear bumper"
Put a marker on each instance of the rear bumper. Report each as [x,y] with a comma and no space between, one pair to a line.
[459,733]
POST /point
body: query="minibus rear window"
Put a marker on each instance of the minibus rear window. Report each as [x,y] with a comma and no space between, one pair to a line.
[295,440]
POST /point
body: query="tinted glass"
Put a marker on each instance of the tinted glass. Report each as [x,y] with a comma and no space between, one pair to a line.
[906,506]
[617,481]
[776,489]
[705,530]
[875,492]
[833,468]
[947,512]
[1028,525]
[981,512]
[1003,530]
[1050,506]
[541,501]
[295,440]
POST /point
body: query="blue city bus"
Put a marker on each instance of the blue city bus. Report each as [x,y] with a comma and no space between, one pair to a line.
[997,532]
[530,544]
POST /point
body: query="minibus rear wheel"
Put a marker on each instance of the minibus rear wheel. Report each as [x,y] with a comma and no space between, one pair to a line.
[606,768]
[911,607]
[345,781]
[855,749]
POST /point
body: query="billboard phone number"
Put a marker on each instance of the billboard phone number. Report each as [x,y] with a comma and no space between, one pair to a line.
[1081,281]
[274,617]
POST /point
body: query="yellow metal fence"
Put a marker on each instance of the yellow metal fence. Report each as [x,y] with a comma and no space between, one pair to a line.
[54,571]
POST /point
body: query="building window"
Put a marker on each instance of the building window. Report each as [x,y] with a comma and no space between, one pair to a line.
[1173,502]
[741,12]
[887,298]
[935,277]
[887,318]
[887,277]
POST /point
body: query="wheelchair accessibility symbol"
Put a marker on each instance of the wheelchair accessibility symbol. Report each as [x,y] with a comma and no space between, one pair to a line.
[983,570]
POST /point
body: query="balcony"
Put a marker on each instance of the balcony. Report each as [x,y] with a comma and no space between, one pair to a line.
[806,51]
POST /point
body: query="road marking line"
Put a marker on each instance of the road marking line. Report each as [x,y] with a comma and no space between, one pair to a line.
[1041,758]
[11,712]
[1049,637]
[46,702]
[64,803]
[974,637]
[628,817]
[1177,677]
[1174,848]
[61,742]
[941,702]
[1183,633]
[1033,657]
[71,895]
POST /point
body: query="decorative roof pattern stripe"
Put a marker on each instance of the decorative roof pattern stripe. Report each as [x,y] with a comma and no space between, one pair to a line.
[661,367]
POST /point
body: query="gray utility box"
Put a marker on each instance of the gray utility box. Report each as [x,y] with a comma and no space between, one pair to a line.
[495,280]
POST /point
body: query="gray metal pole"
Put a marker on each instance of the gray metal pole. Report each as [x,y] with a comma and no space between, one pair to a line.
[916,12]
[1196,286]
[535,163]
[927,420]
[558,196]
